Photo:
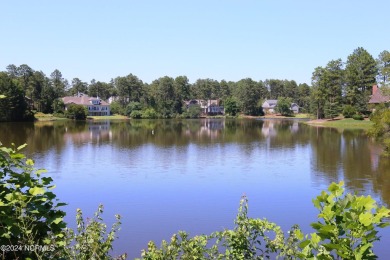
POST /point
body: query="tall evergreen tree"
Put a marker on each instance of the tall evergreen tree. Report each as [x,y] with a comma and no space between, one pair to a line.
[13,106]
[383,63]
[361,71]
[247,94]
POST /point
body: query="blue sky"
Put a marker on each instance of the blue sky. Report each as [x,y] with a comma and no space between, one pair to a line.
[218,39]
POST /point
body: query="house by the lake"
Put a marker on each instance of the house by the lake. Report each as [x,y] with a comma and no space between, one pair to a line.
[269,106]
[377,96]
[208,107]
[94,105]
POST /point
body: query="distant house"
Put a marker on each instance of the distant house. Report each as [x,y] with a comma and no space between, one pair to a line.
[95,106]
[112,99]
[209,107]
[269,106]
[377,97]
[295,108]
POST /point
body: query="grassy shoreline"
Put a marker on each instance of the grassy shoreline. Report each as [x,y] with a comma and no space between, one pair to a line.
[345,123]
[341,123]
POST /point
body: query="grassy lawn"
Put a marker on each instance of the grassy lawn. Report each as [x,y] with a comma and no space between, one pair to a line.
[299,115]
[116,116]
[343,123]
[47,117]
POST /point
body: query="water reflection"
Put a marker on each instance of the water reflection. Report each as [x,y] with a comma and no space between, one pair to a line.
[194,171]
[336,155]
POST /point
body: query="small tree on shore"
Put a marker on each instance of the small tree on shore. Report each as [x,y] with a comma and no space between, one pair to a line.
[284,106]
[78,112]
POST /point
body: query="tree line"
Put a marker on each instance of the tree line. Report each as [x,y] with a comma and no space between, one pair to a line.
[334,87]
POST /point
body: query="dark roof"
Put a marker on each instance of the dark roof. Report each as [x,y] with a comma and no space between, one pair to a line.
[271,103]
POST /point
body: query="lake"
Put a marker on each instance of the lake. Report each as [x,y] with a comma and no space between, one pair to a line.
[163,176]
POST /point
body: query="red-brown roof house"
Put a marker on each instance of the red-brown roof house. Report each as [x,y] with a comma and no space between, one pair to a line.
[95,106]
[377,97]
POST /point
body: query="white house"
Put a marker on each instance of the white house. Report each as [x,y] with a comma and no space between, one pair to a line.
[211,106]
[269,106]
[95,106]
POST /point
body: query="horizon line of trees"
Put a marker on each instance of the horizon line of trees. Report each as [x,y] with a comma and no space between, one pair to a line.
[334,86]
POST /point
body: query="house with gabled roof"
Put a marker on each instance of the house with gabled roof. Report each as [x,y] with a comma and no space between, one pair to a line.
[269,106]
[94,105]
[209,107]
[377,96]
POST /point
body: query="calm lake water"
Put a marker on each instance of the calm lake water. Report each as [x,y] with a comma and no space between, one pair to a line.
[163,176]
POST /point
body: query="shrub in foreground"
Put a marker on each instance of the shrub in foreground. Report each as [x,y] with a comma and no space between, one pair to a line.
[346,229]
[31,219]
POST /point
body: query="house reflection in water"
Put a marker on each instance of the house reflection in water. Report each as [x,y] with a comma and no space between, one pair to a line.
[209,128]
[268,129]
[95,132]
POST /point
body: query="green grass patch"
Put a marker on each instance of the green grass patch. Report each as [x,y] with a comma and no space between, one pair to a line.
[47,117]
[278,116]
[116,116]
[347,123]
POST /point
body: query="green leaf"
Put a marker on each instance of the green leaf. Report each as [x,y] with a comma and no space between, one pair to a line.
[57,220]
[304,244]
[315,239]
[46,180]
[36,191]
[299,234]
[21,147]
[30,162]
[365,218]
[9,196]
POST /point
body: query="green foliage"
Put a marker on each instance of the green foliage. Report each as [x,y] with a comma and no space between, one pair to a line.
[116,108]
[29,210]
[78,112]
[383,64]
[149,113]
[13,106]
[250,239]
[193,111]
[347,229]
[129,88]
[348,111]
[358,117]
[282,88]
[163,92]
[30,215]
[381,127]
[331,109]
[247,93]
[231,107]
[327,88]
[284,106]
[361,71]
[58,106]
[303,99]
[92,240]
[133,106]
[136,114]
